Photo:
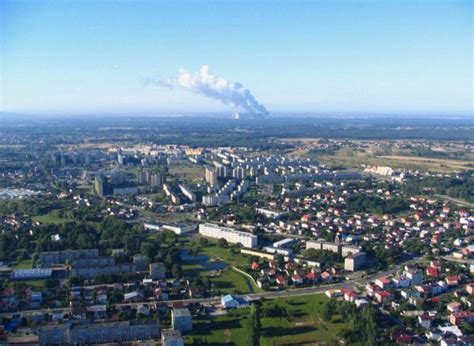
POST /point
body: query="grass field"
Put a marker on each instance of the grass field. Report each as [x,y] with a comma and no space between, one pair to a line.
[25,264]
[187,170]
[304,325]
[223,330]
[225,255]
[229,280]
[394,158]
[50,219]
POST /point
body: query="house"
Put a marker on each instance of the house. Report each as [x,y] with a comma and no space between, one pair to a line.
[255,266]
[383,283]
[452,280]
[350,296]
[144,309]
[414,275]
[402,338]
[333,293]
[432,271]
[454,307]
[297,279]
[98,311]
[459,317]
[401,281]
[470,288]
[281,280]
[311,276]
[230,301]
[326,276]
[361,302]
[161,294]
[425,320]
[134,297]
[409,293]
[383,296]
[371,289]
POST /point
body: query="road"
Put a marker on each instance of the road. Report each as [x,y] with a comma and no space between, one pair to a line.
[459,260]
[296,292]
[456,200]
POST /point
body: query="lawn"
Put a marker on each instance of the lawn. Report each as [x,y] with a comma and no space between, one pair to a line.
[303,326]
[228,329]
[226,255]
[50,219]
[24,264]
[229,280]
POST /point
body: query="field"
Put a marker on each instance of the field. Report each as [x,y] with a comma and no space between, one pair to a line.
[372,155]
[229,280]
[222,330]
[304,325]
[225,255]
[187,170]
[50,219]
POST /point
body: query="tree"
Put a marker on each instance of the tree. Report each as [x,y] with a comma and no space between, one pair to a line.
[177,271]
[328,310]
[203,242]
[253,326]
[222,242]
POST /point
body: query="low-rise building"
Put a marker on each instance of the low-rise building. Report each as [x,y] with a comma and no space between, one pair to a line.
[181,320]
[171,338]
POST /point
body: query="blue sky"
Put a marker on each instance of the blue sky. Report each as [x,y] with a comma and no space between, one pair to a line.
[318,56]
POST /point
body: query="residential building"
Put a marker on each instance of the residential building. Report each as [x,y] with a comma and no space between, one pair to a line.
[355,262]
[171,338]
[231,235]
[157,271]
[181,320]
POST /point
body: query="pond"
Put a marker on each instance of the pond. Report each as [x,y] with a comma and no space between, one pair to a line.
[205,261]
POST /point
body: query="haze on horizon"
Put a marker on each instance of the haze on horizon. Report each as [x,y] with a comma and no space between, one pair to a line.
[339,57]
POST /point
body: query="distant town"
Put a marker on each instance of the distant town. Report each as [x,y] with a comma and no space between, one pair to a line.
[126,235]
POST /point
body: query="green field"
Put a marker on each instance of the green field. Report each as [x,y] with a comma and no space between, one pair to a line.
[226,255]
[25,264]
[223,330]
[231,281]
[50,219]
[304,325]
[228,281]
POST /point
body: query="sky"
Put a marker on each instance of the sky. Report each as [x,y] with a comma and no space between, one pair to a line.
[75,57]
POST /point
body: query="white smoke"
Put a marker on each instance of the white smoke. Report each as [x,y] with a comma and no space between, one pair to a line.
[205,83]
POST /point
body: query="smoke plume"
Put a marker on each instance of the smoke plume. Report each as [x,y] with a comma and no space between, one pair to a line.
[233,94]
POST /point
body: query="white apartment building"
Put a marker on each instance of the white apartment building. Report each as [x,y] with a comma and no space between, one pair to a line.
[231,235]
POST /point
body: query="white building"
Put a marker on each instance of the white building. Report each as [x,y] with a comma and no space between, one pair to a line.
[231,235]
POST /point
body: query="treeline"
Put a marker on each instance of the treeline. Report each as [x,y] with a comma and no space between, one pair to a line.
[326,258]
[461,186]
[372,204]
